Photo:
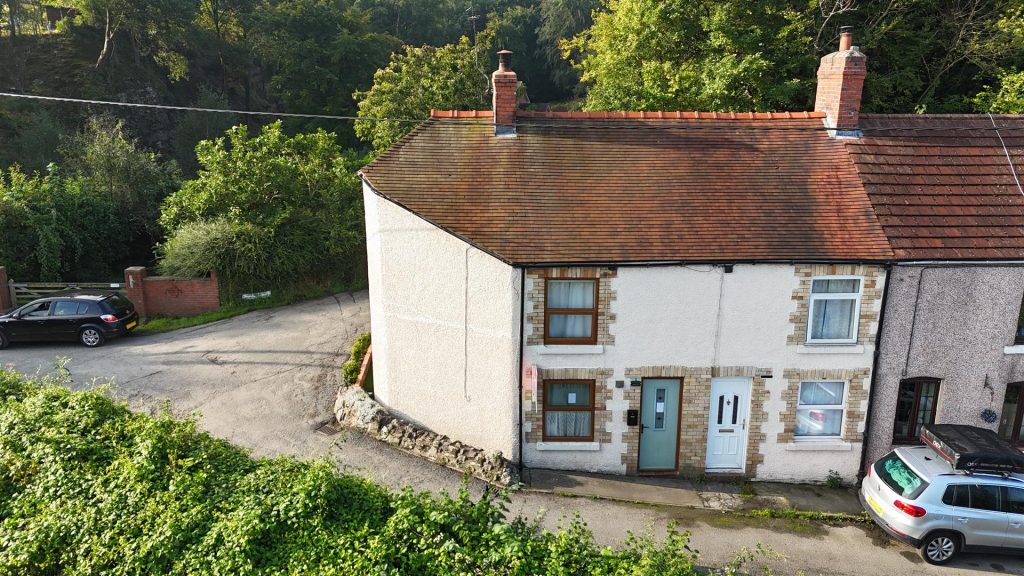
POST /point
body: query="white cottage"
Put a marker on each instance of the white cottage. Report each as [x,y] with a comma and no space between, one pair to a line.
[630,293]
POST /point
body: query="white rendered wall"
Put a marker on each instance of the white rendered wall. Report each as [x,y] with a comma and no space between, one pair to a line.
[445,324]
[699,316]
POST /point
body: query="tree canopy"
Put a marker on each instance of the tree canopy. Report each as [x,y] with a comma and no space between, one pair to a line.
[258,205]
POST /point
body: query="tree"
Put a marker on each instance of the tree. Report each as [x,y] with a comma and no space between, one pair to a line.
[560,21]
[418,80]
[194,127]
[117,168]
[704,55]
[931,55]
[318,53]
[155,27]
[54,227]
[1006,97]
[266,210]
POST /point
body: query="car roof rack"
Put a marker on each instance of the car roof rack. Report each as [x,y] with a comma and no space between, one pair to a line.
[972,450]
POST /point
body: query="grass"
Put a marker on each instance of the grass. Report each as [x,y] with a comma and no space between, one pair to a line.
[310,291]
[808,515]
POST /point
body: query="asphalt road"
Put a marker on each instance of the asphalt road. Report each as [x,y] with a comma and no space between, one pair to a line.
[267,380]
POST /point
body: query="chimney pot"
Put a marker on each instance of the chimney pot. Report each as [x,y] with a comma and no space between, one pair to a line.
[845,38]
[505,60]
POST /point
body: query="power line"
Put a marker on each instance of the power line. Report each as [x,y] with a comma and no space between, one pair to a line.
[198,109]
[610,123]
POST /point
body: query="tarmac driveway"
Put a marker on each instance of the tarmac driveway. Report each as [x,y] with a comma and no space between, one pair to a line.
[267,380]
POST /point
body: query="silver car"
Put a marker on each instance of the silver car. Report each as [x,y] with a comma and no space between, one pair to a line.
[918,498]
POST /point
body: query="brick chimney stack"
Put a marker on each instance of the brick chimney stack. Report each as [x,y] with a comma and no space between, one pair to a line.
[840,83]
[504,83]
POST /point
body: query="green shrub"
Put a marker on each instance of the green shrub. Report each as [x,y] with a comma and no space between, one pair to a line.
[54,227]
[350,369]
[266,212]
[88,487]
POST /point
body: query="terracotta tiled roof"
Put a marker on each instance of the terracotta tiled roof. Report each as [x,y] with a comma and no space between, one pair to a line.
[580,188]
[942,186]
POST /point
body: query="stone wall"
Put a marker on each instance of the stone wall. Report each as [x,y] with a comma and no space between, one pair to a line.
[696,391]
[856,397]
[605,297]
[534,405]
[870,303]
[355,409]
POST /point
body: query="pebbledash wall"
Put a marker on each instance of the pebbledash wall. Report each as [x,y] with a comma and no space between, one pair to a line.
[955,323]
[445,322]
[698,323]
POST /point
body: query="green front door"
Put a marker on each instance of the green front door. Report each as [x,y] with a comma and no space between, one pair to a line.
[659,424]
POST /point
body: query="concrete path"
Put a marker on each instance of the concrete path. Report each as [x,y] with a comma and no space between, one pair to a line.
[681,492]
[266,380]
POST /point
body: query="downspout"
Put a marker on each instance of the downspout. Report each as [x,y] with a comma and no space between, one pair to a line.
[874,373]
[522,312]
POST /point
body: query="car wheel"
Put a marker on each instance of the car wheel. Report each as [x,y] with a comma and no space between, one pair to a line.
[3,341]
[940,548]
[91,337]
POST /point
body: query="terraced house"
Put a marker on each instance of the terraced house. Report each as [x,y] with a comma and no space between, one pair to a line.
[634,293]
[947,193]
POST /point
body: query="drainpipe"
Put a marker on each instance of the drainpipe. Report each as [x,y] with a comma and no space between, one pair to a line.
[874,374]
[522,312]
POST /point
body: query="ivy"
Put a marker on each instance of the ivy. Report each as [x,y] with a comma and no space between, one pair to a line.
[89,487]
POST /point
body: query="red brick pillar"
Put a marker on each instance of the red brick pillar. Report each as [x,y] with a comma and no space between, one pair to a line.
[133,278]
[5,291]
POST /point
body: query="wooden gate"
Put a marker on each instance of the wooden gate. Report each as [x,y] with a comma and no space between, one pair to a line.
[25,292]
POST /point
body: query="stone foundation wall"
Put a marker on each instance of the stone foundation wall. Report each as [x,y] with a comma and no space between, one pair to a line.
[354,409]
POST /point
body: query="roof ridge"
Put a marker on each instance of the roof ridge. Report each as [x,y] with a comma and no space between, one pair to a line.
[635,115]
[461,113]
[669,115]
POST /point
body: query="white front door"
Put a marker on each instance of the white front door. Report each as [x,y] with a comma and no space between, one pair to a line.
[727,424]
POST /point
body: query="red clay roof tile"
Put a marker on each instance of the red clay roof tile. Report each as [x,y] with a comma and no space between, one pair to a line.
[942,185]
[578,188]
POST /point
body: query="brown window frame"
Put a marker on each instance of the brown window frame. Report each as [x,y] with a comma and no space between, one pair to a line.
[548,339]
[917,382]
[591,408]
[1015,435]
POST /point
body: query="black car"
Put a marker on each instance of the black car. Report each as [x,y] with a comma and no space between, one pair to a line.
[88,316]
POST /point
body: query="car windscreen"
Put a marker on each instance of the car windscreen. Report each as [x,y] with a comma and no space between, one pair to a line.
[901,478]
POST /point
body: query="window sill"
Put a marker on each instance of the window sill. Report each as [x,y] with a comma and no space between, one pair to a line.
[830,349]
[1015,349]
[568,446]
[568,349]
[831,445]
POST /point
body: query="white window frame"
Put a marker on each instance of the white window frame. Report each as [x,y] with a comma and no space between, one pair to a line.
[814,298]
[842,406]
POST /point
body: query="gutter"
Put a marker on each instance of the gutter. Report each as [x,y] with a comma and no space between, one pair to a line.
[961,263]
[874,374]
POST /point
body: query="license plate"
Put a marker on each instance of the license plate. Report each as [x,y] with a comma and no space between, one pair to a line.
[131,325]
[874,505]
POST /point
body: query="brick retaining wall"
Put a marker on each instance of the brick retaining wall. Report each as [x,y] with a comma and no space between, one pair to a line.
[165,296]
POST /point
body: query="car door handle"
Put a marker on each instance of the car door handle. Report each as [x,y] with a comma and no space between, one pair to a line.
[962,520]
[1015,524]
